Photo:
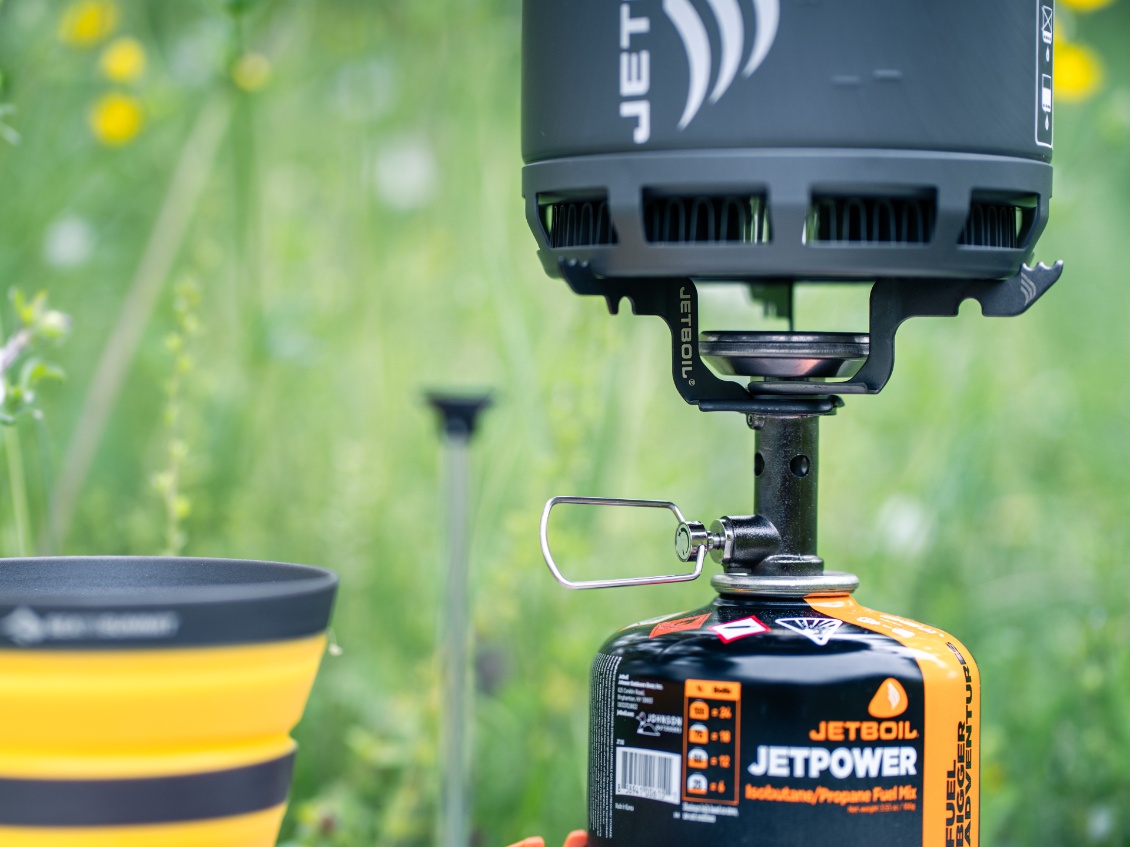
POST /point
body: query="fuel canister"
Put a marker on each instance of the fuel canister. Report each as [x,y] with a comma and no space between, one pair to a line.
[780,721]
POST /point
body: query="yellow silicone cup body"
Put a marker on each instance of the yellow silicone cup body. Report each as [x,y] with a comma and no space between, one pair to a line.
[259,829]
[149,701]
[104,714]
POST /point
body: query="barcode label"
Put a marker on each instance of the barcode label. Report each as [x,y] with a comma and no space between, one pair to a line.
[648,774]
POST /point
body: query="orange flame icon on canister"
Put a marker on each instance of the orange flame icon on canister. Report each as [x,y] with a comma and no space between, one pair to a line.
[889,701]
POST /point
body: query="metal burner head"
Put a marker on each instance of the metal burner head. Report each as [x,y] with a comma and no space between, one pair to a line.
[785,355]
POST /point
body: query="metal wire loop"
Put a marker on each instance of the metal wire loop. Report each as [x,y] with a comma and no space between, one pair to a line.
[613,583]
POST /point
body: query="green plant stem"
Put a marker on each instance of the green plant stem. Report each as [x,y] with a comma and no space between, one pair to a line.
[17,481]
[48,540]
[195,163]
[246,208]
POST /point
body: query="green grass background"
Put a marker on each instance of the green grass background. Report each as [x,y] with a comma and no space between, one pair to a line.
[985,491]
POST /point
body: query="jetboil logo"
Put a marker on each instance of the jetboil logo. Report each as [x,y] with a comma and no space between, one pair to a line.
[734,29]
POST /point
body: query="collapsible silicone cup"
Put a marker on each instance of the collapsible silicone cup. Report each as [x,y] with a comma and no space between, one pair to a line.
[149,701]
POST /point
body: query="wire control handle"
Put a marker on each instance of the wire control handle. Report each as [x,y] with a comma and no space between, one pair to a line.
[692,541]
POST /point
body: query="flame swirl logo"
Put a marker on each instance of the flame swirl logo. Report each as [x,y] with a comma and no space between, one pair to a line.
[731,25]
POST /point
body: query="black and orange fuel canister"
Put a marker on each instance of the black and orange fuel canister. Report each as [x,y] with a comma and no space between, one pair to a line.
[776,721]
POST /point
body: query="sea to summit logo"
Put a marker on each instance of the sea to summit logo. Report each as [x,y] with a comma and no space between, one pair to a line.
[734,20]
[24,627]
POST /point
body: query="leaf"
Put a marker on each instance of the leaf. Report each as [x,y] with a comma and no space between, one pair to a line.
[20,304]
[14,397]
[33,309]
[34,371]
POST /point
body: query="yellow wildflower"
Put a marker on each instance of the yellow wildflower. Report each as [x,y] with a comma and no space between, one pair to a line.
[123,60]
[251,71]
[1078,72]
[116,119]
[88,22]
[1086,5]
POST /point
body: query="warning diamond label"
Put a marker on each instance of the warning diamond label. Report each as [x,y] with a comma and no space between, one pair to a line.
[678,625]
[743,628]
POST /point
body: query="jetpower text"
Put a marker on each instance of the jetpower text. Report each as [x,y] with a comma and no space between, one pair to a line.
[839,763]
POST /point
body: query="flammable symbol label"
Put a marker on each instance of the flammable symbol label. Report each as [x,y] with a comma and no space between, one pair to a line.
[818,630]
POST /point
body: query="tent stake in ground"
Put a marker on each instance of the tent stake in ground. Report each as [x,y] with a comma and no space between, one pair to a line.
[458,418]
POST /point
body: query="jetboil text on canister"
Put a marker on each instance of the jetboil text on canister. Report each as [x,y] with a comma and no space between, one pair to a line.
[770,143]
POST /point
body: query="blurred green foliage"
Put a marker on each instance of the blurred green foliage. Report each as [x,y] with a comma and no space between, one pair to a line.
[341,181]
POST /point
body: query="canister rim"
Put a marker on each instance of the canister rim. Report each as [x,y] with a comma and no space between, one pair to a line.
[828,582]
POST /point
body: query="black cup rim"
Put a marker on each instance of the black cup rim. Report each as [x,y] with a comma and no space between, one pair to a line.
[124,602]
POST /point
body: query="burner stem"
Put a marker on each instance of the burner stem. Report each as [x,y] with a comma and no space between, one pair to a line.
[785,489]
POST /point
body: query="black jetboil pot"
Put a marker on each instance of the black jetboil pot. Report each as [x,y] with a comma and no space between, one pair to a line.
[771,143]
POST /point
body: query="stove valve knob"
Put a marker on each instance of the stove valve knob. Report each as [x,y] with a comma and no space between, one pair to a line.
[691,536]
